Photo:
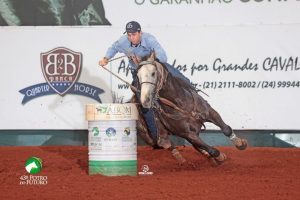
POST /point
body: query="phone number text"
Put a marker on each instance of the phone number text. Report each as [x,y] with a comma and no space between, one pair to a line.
[247,84]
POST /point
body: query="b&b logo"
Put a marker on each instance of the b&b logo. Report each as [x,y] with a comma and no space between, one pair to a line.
[61,68]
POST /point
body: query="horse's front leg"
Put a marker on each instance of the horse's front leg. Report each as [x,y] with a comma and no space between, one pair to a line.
[176,154]
[165,142]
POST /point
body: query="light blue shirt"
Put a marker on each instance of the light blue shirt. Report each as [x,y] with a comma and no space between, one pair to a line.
[148,43]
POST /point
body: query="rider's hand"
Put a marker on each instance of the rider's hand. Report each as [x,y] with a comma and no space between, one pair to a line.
[103,62]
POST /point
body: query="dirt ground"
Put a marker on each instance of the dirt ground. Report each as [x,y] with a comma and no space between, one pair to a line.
[256,173]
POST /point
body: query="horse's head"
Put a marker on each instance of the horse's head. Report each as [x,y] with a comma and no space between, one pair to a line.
[148,78]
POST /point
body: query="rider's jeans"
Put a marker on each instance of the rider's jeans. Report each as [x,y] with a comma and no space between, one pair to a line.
[149,118]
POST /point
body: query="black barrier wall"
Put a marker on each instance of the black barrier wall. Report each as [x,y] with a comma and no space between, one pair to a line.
[80,138]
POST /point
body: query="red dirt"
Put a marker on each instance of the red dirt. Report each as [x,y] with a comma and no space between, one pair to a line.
[256,173]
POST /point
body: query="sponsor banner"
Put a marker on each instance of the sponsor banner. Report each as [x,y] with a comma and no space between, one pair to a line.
[183,13]
[251,73]
[151,13]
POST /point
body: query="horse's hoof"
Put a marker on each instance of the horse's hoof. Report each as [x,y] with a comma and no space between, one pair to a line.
[205,154]
[164,143]
[220,159]
[177,155]
[156,147]
[243,146]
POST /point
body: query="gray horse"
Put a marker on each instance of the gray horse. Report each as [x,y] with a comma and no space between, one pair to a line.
[179,110]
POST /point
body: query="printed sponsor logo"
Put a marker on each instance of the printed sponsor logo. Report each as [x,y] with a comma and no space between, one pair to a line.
[33,165]
[61,68]
[145,170]
[114,109]
[95,131]
[127,131]
[110,132]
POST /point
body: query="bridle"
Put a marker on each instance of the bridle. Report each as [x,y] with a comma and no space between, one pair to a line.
[143,63]
[162,77]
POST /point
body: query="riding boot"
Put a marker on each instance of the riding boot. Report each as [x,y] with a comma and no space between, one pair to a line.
[150,121]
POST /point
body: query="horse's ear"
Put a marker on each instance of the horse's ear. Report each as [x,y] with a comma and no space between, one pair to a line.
[136,60]
[152,55]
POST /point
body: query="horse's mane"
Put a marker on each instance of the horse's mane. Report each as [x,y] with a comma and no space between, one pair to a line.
[181,83]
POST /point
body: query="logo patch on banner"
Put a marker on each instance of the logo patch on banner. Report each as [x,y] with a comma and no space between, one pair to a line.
[61,68]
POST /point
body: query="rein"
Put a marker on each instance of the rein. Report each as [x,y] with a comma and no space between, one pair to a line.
[172,105]
[134,89]
[148,82]
[131,86]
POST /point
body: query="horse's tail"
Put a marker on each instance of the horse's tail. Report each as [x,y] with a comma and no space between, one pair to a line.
[203,127]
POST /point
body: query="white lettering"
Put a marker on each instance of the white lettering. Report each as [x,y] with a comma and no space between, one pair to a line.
[37,90]
[52,64]
[69,64]
[85,89]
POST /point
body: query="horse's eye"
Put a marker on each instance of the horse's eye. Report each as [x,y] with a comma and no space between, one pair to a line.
[153,74]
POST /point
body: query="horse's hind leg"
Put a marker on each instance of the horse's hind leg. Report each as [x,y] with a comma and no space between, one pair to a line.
[215,118]
[205,149]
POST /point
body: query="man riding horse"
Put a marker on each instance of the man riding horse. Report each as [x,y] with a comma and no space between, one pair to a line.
[138,44]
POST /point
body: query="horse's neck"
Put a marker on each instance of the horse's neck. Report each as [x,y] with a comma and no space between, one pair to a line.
[173,87]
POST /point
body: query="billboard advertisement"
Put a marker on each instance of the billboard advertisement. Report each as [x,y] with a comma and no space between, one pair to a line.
[247,64]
